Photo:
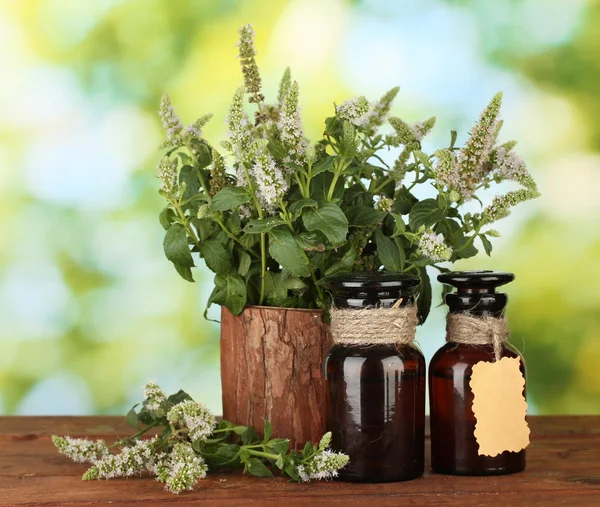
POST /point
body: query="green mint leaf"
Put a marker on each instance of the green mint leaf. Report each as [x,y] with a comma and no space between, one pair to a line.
[176,246]
[166,218]
[132,418]
[184,272]
[425,213]
[215,255]
[244,264]
[279,445]
[290,469]
[308,450]
[400,226]
[487,244]
[403,201]
[364,216]
[258,226]
[296,207]
[244,455]
[323,165]
[257,468]
[330,220]
[388,252]
[424,290]
[189,176]
[230,291]
[178,397]
[284,249]
[230,197]
[250,436]
[268,431]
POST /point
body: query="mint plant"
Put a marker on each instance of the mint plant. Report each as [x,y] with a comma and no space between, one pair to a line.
[274,215]
[190,444]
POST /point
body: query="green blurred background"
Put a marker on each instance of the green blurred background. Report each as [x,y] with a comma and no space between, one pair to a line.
[89,307]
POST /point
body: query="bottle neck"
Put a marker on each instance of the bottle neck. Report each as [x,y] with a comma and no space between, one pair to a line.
[382,298]
[477,303]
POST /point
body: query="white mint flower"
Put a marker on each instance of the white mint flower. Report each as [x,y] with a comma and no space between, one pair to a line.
[384,204]
[240,135]
[356,111]
[154,396]
[324,464]
[81,450]
[379,110]
[193,416]
[194,131]
[130,461]
[501,204]
[247,53]
[168,175]
[421,128]
[509,165]
[171,122]
[270,181]
[433,246]
[473,157]
[290,123]
[447,172]
[181,469]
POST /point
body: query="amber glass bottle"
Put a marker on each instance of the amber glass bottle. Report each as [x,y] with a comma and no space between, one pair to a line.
[376,393]
[454,449]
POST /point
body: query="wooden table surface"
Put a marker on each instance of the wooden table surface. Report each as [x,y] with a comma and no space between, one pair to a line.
[563,468]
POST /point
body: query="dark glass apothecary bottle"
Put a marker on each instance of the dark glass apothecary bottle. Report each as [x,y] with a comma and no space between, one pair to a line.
[376,392]
[454,449]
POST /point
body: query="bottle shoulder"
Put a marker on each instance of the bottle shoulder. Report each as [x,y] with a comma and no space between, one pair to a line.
[389,354]
[452,354]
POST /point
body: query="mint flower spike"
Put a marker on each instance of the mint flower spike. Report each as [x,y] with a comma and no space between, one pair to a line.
[355,110]
[247,52]
[194,131]
[271,184]
[154,397]
[81,450]
[379,110]
[284,85]
[420,129]
[181,469]
[130,461]
[290,125]
[474,155]
[169,176]
[239,131]
[172,124]
[218,172]
[194,417]
[501,204]
[432,245]
[324,464]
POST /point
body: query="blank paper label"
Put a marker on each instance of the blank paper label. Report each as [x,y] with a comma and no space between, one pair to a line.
[499,406]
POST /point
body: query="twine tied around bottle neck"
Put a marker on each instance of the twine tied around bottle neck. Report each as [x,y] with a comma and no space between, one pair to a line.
[374,326]
[471,330]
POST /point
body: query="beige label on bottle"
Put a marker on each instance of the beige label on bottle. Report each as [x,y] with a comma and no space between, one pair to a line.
[499,406]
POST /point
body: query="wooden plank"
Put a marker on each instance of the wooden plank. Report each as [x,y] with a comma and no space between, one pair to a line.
[103,426]
[563,469]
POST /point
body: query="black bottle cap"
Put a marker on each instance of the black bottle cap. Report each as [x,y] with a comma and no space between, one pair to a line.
[476,291]
[355,290]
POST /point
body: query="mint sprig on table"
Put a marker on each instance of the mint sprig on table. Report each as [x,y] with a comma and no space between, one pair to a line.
[192,444]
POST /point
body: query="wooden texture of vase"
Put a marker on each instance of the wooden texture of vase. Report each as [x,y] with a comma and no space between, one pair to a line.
[272,367]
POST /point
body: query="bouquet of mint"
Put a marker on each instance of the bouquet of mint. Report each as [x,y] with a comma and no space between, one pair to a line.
[273,214]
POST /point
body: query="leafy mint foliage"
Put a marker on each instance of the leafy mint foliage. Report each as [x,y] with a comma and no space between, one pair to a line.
[273,216]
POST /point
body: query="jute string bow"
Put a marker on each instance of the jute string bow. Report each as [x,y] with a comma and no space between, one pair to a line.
[372,326]
[470,330]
